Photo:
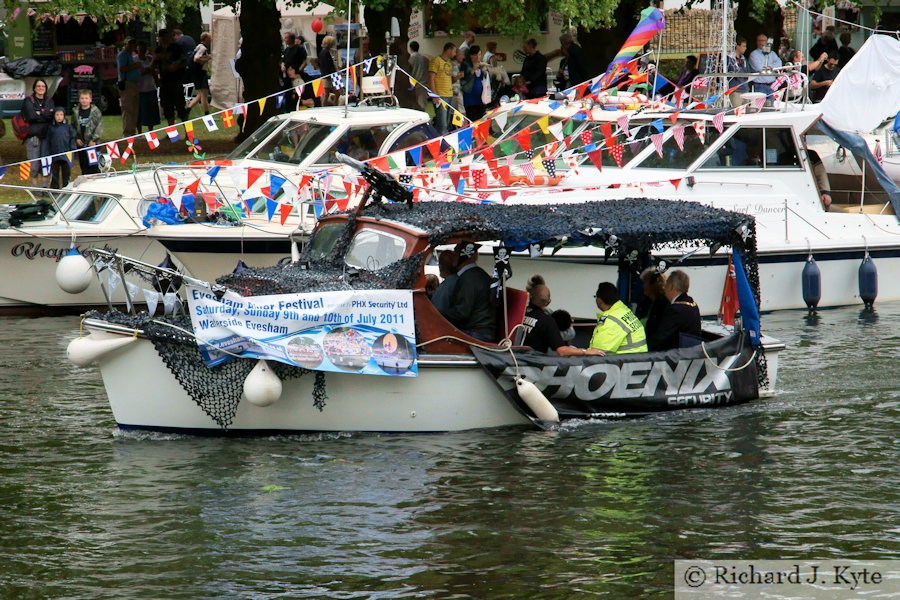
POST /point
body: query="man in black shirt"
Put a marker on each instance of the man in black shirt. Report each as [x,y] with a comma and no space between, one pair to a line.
[542,332]
[470,307]
[821,80]
[170,61]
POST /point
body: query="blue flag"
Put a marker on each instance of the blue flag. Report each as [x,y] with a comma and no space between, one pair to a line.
[213,172]
[275,183]
[271,207]
[416,155]
[749,310]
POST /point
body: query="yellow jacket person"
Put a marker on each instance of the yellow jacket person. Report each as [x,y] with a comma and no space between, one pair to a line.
[618,330]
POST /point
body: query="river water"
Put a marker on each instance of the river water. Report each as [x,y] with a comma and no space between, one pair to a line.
[599,509]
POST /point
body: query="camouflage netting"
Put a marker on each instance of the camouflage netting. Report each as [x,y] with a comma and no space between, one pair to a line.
[628,226]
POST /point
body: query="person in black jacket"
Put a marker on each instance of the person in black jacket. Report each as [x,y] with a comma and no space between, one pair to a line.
[651,310]
[542,332]
[38,111]
[470,308]
[681,317]
[60,140]
[534,70]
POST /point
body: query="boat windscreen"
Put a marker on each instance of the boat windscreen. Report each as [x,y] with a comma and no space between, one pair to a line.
[292,144]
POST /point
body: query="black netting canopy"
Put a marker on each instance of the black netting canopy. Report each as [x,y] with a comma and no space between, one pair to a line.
[638,223]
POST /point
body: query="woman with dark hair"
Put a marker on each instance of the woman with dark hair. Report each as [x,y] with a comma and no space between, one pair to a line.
[38,111]
[651,309]
[471,83]
[199,64]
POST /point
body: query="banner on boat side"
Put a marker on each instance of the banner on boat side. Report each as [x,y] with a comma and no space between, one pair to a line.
[718,373]
[370,332]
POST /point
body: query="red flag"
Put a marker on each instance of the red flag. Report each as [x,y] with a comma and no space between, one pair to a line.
[675,182]
[482,130]
[606,129]
[434,147]
[729,305]
[595,157]
[381,163]
[506,194]
[192,188]
[253,173]
[524,139]
[488,154]
[285,211]
[616,152]
[172,183]
[503,170]
[454,177]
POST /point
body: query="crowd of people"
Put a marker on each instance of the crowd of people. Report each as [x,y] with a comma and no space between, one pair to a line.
[828,60]
[666,319]
[467,80]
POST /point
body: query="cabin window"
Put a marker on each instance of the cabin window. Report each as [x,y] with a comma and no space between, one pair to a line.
[372,250]
[674,158]
[295,143]
[264,131]
[87,207]
[361,143]
[325,238]
[414,137]
[757,148]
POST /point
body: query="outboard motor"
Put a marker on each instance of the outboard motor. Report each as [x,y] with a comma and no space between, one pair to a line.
[868,281]
[811,280]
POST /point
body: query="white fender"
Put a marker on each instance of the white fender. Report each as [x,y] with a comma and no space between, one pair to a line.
[83,351]
[262,386]
[536,401]
[73,272]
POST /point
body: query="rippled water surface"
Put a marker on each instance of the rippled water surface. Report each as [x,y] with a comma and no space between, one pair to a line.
[600,509]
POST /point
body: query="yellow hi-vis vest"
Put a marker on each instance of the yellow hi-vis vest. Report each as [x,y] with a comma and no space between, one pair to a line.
[619,331]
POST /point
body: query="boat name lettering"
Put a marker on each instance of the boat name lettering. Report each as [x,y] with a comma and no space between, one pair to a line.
[688,382]
[760,209]
[31,251]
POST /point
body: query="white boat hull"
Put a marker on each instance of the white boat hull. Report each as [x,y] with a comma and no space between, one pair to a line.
[450,394]
[29,267]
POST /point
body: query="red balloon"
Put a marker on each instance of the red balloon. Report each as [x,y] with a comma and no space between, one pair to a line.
[317,25]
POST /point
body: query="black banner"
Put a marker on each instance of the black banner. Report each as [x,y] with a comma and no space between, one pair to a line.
[630,385]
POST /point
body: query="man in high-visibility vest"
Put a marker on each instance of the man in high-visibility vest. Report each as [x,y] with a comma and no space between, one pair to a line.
[618,331]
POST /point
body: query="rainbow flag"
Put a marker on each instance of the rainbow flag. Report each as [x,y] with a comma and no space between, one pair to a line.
[652,21]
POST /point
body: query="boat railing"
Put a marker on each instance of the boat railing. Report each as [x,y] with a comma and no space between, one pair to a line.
[720,83]
[101,258]
[55,195]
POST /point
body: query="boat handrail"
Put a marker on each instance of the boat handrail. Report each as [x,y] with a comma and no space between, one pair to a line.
[52,194]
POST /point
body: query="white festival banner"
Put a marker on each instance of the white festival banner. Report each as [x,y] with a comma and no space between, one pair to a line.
[370,332]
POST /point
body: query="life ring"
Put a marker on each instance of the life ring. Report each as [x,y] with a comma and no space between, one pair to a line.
[626,100]
[537,180]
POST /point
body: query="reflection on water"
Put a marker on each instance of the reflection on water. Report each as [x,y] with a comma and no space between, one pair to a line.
[592,509]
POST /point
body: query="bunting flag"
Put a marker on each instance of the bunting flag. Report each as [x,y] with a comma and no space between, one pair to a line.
[652,21]
[285,211]
[741,110]
[623,124]
[152,140]
[25,170]
[112,148]
[657,139]
[549,166]
[129,150]
[228,119]
[543,123]
[416,155]
[700,130]
[172,184]
[253,175]
[596,159]
[189,130]
[92,157]
[524,139]
[262,107]
[679,94]
[483,130]
[586,137]
[193,187]
[556,130]
[678,134]
[210,123]
[606,129]
[674,117]
[172,132]
[213,172]
[318,88]
[3,171]
[478,178]
[616,152]
[457,118]
[719,121]
[46,161]
[434,148]
[528,169]
[675,182]
[759,102]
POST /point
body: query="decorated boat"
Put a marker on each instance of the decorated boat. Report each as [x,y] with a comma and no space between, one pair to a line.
[112,210]
[346,339]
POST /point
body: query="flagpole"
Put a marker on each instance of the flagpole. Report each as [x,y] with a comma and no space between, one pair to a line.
[347,78]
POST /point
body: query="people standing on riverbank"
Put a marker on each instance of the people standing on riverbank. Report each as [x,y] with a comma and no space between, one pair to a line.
[38,112]
[87,121]
[59,142]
